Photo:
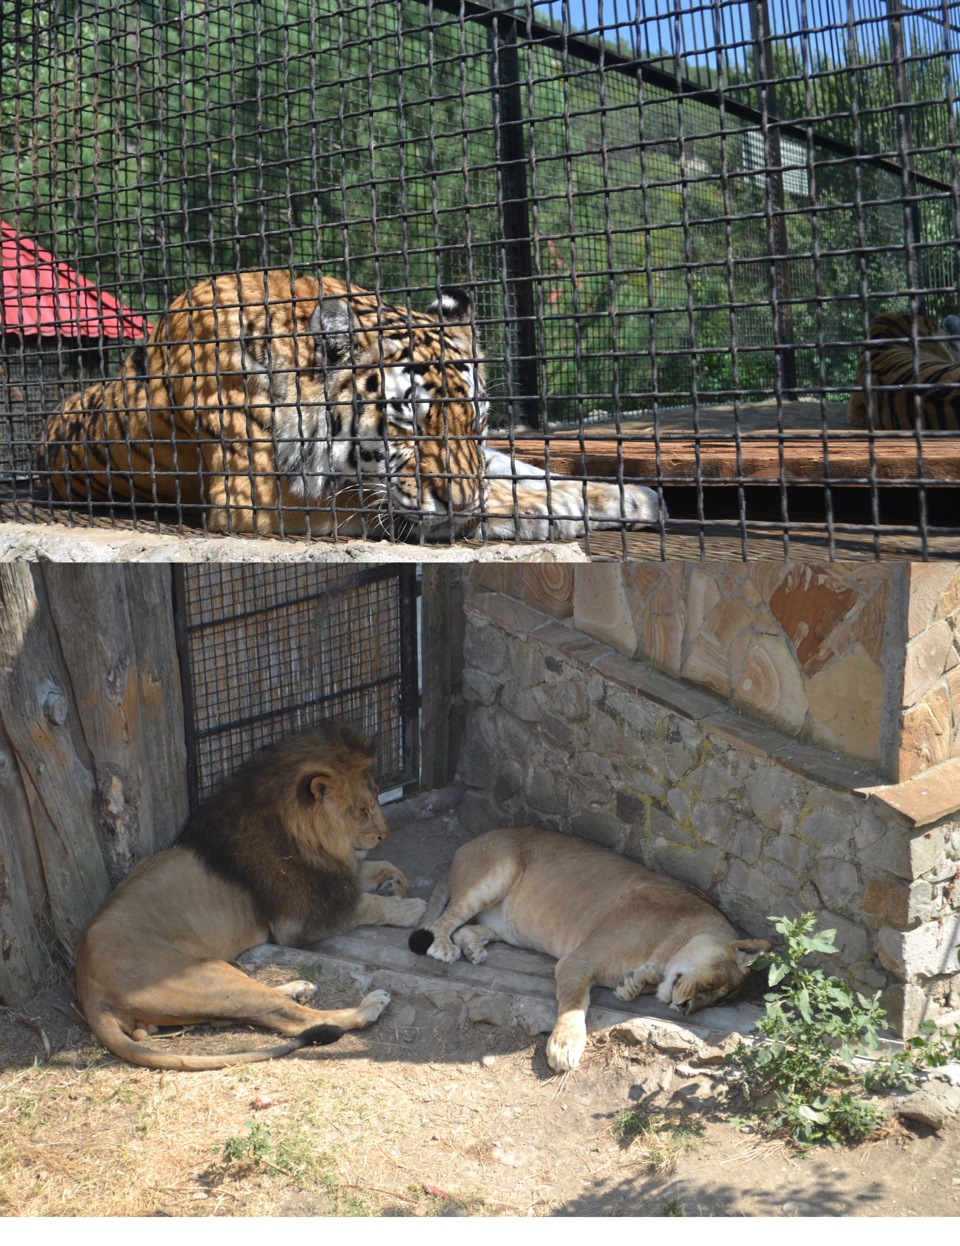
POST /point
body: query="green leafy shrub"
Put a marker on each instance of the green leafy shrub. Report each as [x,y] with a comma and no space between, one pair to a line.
[252,1149]
[800,1078]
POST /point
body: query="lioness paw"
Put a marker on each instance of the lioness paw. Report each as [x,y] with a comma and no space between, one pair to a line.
[443,949]
[299,990]
[639,981]
[565,1046]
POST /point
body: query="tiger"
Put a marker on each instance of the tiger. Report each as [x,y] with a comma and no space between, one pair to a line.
[917,370]
[283,403]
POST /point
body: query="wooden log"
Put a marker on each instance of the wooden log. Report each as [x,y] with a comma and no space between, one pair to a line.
[115,629]
[43,733]
[24,961]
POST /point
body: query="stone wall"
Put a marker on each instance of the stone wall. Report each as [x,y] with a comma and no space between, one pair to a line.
[566,732]
[930,730]
[861,659]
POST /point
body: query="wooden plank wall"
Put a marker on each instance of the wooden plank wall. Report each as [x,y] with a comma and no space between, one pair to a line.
[92,758]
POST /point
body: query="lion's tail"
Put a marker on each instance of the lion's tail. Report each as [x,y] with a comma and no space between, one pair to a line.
[422,937]
[105,1026]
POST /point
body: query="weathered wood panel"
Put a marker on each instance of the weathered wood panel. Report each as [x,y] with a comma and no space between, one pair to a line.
[847,458]
[115,629]
[43,729]
[92,772]
[23,956]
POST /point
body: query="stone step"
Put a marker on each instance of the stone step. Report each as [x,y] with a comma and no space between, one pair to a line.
[512,986]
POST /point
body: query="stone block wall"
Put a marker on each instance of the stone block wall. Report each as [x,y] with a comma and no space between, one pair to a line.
[862,659]
[565,731]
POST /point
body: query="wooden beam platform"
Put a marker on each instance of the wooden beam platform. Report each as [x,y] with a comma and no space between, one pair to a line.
[793,458]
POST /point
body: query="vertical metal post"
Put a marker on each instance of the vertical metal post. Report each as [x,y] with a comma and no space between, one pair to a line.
[901,93]
[514,208]
[767,102]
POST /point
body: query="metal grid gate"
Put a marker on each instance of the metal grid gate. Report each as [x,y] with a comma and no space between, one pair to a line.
[266,650]
[676,223]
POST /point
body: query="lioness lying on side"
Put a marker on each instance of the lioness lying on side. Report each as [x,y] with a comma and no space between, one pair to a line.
[275,855]
[607,920]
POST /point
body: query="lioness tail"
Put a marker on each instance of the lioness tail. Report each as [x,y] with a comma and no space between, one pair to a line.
[422,937]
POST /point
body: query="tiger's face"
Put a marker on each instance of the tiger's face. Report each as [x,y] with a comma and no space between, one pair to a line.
[412,388]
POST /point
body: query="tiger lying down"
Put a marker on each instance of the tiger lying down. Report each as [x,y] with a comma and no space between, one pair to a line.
[284,403]
[608,921]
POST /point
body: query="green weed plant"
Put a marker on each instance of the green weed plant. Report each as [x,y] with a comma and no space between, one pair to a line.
[801,1079]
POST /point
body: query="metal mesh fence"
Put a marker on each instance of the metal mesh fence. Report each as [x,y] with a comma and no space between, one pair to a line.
[270,650]
[676,223]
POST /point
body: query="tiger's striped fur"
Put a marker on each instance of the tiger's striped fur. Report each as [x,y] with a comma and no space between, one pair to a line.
[282,403]
[905,375]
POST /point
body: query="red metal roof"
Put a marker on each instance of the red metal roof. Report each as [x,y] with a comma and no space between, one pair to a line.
[40,294]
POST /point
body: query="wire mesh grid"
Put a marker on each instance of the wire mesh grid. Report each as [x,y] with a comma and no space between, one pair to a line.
[669,229]
[268,651]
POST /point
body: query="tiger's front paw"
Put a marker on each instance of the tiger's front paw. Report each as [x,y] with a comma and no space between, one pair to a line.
[642,506]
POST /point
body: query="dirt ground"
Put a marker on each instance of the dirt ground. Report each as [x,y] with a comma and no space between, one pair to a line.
[445,1107]
[422,1115]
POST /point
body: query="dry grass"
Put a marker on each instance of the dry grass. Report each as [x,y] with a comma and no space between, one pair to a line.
[84,1134]
[661,1138]
[425,1114]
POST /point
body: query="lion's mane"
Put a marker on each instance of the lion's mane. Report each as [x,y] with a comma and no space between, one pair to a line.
[264,830]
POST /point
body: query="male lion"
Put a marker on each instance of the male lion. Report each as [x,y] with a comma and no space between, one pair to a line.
[606,919]
[275,854]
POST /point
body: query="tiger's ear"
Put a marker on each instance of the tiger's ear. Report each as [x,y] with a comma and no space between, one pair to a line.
[333,326]
[454,306]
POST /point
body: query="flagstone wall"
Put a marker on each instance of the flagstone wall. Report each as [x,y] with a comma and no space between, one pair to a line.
[571,726]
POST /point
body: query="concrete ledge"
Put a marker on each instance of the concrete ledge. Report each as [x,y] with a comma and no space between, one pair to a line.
[21,542]
[928,798]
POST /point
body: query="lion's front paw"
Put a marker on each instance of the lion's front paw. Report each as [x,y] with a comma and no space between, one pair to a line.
[384,878]
[412,911]
[443,949]
[372,1005]
[395,885]
[565,1045]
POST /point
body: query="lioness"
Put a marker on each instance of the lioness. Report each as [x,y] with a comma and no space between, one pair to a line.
[276,854]
[606,919]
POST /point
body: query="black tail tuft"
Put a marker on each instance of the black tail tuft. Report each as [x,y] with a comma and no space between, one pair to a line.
[420,940]
[320,1035]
